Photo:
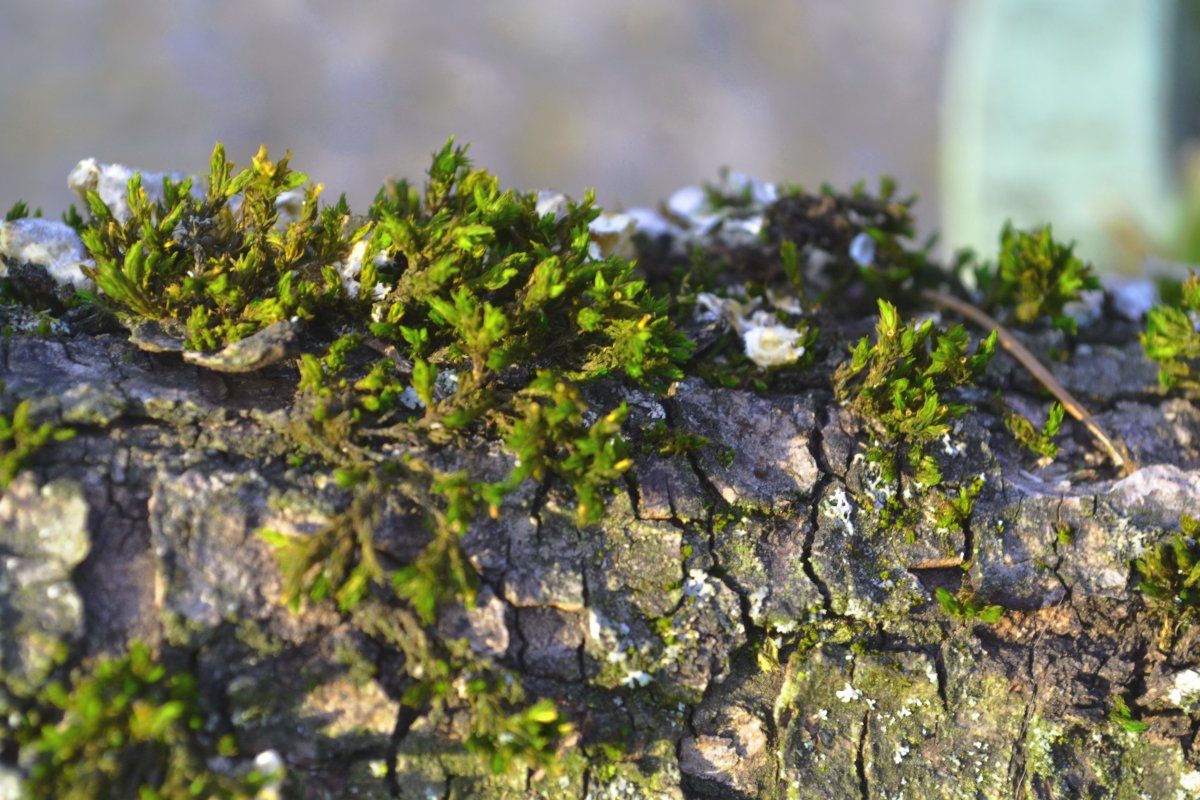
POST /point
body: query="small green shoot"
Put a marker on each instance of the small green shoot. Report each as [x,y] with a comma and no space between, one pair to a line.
[968,609]
[20,439]
[1039,442]
[19,210]
[1122,716]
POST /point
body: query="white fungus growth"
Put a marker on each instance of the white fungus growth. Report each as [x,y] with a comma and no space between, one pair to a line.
[862,250]
[612,235]
[1186,690]
[848,694]
[772,345]
[635,678]
[698,586]
[767,342]
[49,244]
[111,182]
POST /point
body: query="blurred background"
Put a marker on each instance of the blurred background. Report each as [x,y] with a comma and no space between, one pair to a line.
[1072,111]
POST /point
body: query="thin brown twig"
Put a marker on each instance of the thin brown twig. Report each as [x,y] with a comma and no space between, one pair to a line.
[1119,455]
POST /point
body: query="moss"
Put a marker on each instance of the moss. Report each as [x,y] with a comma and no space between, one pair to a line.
[127,727]
[1035,277]
[1170,580]
[457,313]
[1171,339]
[20,438]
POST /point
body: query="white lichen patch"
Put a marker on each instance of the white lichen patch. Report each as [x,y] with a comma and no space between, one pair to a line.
[612,235]
[837,506]
[635,678]
[698,585]
[1189,782]
[55,246]
[882,492]
[1039,742]
[410,400]
[552,204]
[858,608]
[690,206]
[731,211]
[652,224]
[627,664]
[757,597]
[1132,298]
[952,448]
[848,694]
[730,310]
[1185,690]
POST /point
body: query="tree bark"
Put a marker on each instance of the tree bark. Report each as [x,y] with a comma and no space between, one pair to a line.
[741,624]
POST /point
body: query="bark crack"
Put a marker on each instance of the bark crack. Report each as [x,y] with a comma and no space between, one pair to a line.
[816,445]
[860,759]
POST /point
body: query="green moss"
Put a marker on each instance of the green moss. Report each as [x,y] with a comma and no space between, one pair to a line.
[127,727]
[456,312]
[1170,579]
[968,608]
[1035,277]
[20,438]
[898,384]
[214,270]
[1039,442]
[1171,338]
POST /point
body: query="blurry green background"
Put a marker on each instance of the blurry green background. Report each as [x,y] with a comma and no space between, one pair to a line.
[1039,110]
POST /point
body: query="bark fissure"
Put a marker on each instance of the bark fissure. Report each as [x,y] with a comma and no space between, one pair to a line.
[860,758]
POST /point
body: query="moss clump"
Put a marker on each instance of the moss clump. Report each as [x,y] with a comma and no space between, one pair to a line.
[127,727]
[1035,277]
[1171,338]
[967,608]
[20,438]
[1170,578]
[476,274]
[898,386]
[219,267]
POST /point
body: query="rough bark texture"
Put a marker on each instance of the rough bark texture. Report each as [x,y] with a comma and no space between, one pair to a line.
[792,649]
